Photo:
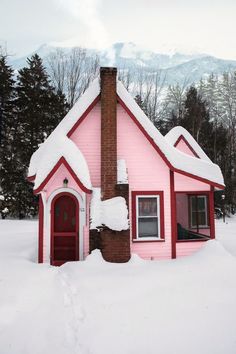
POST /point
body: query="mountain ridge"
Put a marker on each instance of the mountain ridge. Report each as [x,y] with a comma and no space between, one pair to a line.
[175,67]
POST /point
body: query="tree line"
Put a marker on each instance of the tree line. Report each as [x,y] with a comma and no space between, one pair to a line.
[35,99]
[30,108]
[32,103]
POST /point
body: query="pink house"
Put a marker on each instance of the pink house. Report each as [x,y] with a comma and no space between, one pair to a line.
[108,179]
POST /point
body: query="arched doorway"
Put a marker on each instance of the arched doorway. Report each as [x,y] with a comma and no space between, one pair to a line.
[64,229]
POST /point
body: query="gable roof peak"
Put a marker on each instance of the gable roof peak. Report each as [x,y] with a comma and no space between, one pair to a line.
[178,132]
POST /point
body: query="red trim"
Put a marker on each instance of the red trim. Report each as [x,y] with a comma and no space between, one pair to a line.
[201,179]
[162,219]
[84,115]
[40,230]
[192,192]
[181,137]
[173,215]
[161,153]
[211,213]
[208,212]
[31,178]
[63,233]
[58,263]
[55,168]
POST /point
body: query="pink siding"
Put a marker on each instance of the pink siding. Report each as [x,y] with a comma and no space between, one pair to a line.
[183,183]
[182,210]
[182,146]
[56,181]
[187,248]
[147,172]
[88,138]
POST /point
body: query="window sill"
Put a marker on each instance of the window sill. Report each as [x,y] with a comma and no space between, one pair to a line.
[200,227]
[137,240]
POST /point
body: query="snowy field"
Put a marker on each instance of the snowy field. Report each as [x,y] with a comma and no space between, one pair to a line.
[178,306]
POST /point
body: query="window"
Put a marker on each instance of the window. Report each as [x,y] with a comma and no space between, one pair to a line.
[198,211]
[147,216]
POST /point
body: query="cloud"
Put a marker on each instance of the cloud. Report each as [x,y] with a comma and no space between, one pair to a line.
[87,14]
[154,24]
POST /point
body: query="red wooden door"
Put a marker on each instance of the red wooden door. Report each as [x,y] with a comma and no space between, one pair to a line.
[64,230]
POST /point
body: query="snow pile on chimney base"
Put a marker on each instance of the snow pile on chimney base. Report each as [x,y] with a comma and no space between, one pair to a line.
[112,213]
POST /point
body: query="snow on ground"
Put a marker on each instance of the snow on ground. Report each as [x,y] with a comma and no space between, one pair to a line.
[182,306]
[226,234]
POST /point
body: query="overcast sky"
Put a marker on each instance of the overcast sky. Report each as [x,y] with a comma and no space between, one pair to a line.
[187,25]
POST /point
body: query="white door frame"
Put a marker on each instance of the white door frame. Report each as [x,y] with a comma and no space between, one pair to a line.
[81,198]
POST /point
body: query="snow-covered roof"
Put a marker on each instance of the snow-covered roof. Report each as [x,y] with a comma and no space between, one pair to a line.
[47,156]
[180,161]
[175,133]
[57,144]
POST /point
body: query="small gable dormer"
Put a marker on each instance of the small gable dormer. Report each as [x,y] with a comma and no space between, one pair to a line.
[182,140]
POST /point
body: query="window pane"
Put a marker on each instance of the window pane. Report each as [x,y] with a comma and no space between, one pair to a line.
[202,218]
[199,210]
[194,203]
[194,218]
[148,227]
[147,206]
[201,203]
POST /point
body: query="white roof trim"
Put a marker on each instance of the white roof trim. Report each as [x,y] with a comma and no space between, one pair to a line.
[175,133]
[179,160]
[48,154]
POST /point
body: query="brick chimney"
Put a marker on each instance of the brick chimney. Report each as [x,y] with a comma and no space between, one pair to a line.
[114,245]
[108,133]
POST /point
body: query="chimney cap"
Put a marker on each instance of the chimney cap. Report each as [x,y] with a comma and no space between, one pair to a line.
[108,69]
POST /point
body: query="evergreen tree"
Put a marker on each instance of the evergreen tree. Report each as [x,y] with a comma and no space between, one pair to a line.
[6,99]
[196,117]
[8,130]
[39,110]
[168,123]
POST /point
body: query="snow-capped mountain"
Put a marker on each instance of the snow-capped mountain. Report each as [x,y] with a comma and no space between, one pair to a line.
[176,67]
[195,69]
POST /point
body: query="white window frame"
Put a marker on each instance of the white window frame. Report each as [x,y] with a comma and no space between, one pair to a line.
[157,197]
[206,211]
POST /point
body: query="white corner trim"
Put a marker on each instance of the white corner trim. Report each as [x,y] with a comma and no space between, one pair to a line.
[43,195]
